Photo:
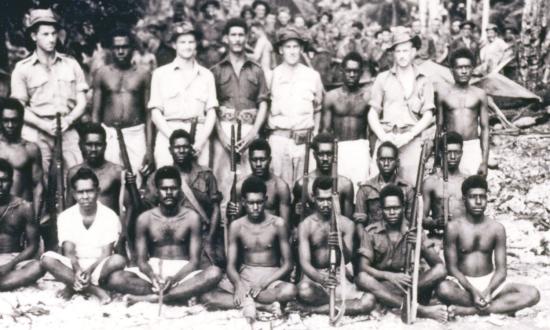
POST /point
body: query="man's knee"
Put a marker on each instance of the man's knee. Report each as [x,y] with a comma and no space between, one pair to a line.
[213,274]
[47,261]
[287,291]
[445,289]
[533,294]
[368,302]
[439,271]
[116,261]
[366,282]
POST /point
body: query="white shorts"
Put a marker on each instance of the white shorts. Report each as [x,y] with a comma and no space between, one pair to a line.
[471,157]
[480,283]
[169,268]
[83,262]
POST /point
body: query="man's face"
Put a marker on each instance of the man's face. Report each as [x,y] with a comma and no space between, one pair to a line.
[491,35]
[85,193]
[324,19]
[182,151]
[45,37]
[455,27]
[355,32]
[323,202]
[466,30]
[236,38]
[462,70]
[436,25]
[387,161]
[291,51]
[299,22]
[259,162]
[93,148]
[121,50]
[324,156]
[210,11]
[509,35]
[254,205]
[260,11]
[352,74]
[283,18]
[12,123]
[169,192]
[404,54]
[475,201]
[392,210]
[5,185]
[416,27]
[385,36]
[454,155]
[186,46]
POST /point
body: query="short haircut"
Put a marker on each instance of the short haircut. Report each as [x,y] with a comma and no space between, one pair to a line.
[122,32]
[461,53]
[92,128]
[283,9]
[181,133]
[245,9]
[235,22]
[253,185]
[35,27]
[391,190]
[454,138]
[358,25]
[321,138]
[321,183]
[381,31]
[388,144]
[257,24]
[260,144]
[84,173]
[6,167]
[353,56]
[12,104]
[474,181]
[167,172]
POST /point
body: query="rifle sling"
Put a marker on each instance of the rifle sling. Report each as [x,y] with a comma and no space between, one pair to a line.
[190,196]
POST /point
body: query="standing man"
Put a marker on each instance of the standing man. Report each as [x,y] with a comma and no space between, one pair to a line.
[121,92]
[433,193]
[467,40]
[183,91]
[18,266]
[314,237]
[47,83]
[278,193]
[296,100]
[93,145]
[495,51]
[368,209]
[24,156]
[211,27]
[323,151]
[475,254]
[168,247]
[427,45]
[465,111]
[259,259]
[88,232]
[402,102]
[345,115]
[242,94]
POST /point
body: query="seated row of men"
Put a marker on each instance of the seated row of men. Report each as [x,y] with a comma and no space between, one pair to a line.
[259,259]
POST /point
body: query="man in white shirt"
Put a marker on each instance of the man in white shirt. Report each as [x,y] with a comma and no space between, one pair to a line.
[87,233]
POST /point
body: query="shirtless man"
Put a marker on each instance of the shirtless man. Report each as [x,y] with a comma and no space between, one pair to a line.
[259,258]
[382,259]
[92,145]
[433,187]
[345,115]
[121,92]
[88,232]
[168,247]
[476,284]
[368,206]
[17,264]
[278,193]
[314,240]
[323,151]
[465,112]
[23,156]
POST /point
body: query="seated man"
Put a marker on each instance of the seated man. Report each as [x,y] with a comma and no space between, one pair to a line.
[17,264]
[476,284]
[315,238]
[87,233]
[259,258]
[168,248]
[383,254]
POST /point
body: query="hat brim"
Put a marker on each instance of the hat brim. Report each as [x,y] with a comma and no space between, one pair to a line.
[44,22]
[279,43]
[196,33]
[263,3]
[211,2]
[415,40]
[471,24]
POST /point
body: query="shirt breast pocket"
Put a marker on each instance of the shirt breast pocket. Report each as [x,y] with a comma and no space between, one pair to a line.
[67,85]
[38,92]
[252,88]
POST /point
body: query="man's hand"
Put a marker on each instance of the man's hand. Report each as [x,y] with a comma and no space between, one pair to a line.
[225,140]
[403,139]
[129,177]
[199,145]
[411,236]
[255,290]
[240,294]
[401,280]
[168,283]
[332,239]
[148,164]
[157,284]
[243,144]
[233,210]
[4,269]
[477,298]
[330,281]
[482,169]
[82,280]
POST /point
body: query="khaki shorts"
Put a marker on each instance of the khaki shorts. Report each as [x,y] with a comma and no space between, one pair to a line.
[169,268]
[84,263]
[348,288]
[250,276]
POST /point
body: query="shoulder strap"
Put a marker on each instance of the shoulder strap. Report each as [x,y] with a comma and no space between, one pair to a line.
[188,193]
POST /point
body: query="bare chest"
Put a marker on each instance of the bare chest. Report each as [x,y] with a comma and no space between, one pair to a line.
[17,156]
[167,231]
[121,82]
[476,239]
[258,238]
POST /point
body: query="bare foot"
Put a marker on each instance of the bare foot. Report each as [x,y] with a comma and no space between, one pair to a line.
[451,310]
[437,312]
[134,299]
[66,293]
[102,295]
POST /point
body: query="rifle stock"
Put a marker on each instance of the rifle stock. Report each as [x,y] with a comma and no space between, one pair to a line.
[193,130]
[233,194]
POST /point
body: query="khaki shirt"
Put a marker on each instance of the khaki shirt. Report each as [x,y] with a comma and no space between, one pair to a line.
[47,91]
[295,96]
[181,97]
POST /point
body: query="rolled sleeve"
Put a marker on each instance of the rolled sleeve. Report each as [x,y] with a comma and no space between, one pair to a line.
[427,96]
[211,97]
[319,93]
[366,247]
[155,97]
[263,92]
[18,85]
[377,95]
[360,213]
[213,193]
[80,79]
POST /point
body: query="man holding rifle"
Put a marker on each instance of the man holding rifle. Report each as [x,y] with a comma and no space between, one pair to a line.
[315,239]
[382,259]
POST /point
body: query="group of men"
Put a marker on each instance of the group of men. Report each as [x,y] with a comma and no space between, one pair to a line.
[176,251]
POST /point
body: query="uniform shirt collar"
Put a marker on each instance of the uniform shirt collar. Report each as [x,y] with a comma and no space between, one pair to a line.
[35,59]
[417,73]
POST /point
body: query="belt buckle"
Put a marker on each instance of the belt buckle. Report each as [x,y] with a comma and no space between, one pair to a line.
[299,137]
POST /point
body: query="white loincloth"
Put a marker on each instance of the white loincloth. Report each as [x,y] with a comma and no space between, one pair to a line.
[354,161]
[471,157]
[169,269]
[83,262]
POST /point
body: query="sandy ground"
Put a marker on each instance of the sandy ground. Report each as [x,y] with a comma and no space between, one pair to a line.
[38,308]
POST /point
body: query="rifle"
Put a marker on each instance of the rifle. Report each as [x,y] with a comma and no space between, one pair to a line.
[413,252]
[305,180]
[437,139]
[137,203]
[193,130]
[239,137]
[233,194]
[445,170]
[55,198]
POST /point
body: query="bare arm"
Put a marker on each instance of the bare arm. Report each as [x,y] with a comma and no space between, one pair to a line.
[37,179]
[304,250]
[484,125]
[427,196]
[69,251]
[422,124]
[327,115]
[348,231]
[32,238]
[451,257]
[286,254]
[78,109]
[375,125]
[149,128]
[284,201]
[160,122]
[194,249]
[233,254]
[97,99]
[141,247]
[500,261]
[348,195]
